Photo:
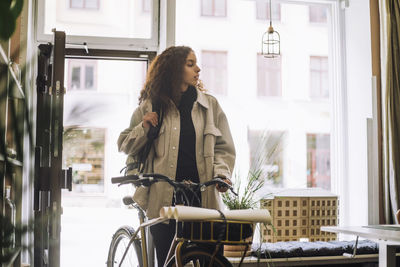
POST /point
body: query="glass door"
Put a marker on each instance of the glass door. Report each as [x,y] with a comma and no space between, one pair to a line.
[102,95]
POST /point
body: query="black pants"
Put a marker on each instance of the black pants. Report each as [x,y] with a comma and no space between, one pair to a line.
[163,234]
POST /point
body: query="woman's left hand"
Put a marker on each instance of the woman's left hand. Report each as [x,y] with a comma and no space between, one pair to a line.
[223,189]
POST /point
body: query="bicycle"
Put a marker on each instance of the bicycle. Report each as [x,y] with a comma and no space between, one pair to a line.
[190,243]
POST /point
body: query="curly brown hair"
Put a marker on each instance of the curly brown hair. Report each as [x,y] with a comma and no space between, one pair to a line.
[165,77]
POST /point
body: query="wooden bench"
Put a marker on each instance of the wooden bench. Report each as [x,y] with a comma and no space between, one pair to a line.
[305,261]
[311,253]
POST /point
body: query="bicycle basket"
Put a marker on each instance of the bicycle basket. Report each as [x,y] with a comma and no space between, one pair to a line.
[209,231]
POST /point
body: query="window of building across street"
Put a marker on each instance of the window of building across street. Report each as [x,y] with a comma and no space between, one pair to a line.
[318,161]
[82,75]
[214,71]
[269,76]
[213,8]
[319,77]
[318,14]
[84,4]
[262,10]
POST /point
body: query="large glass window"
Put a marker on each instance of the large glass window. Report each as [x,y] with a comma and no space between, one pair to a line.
[290,94]
[214,71]
[125,23]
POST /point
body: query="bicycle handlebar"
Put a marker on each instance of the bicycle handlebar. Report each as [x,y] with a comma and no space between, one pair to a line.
[148,179]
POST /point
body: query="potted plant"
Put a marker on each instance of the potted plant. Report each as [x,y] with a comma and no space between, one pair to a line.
[264,168]
[246,199]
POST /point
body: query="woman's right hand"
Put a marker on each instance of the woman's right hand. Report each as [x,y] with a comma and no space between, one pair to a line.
[150,118]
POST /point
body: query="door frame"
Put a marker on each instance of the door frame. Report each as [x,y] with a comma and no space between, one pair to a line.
[49,177]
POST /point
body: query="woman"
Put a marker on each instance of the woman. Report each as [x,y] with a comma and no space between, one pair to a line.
[194,141]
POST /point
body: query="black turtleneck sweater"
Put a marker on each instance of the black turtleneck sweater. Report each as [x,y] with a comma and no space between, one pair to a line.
[186,166]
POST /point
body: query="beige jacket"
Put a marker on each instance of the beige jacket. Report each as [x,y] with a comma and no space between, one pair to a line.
[215,151]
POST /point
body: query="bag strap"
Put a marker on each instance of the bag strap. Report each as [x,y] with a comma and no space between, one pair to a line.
[152,134]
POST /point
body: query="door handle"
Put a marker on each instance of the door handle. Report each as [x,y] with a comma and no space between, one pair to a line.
[66,179]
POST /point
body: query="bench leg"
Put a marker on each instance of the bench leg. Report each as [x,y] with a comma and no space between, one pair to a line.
[387,255]
[354,250]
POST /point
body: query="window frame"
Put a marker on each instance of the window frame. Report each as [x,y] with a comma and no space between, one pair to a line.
[98,54]
[101,42]
[338,96]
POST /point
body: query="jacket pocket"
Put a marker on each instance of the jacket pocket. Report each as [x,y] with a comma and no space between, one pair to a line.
[210,136]
[159,142]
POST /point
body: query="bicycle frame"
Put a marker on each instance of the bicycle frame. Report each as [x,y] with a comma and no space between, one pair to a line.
[175,249]
[143,238]
[177,246]
[142,228]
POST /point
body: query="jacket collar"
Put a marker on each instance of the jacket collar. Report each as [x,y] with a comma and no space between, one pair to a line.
[202,99]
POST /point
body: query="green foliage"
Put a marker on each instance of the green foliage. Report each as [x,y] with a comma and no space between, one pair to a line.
[246,197]
[9,12]
[7,230]
[266,154]
[10,234]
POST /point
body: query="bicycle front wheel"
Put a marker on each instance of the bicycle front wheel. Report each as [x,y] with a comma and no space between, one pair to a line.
[119,245]
[200,258]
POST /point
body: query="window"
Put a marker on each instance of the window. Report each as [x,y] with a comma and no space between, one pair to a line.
[274,94]
[319,80]
[269,76]
[84,4]
[213,8]
[266,154]
[318,161]
[134,23]
[146,6]
[82,75]
[318,14]
[262,10]
[214,71]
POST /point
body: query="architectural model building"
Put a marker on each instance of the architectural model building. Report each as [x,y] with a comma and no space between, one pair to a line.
[300,213]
